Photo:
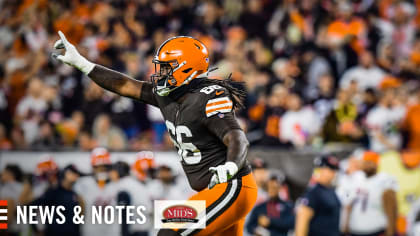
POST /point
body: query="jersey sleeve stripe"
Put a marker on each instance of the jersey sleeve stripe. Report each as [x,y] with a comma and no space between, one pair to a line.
[226,104]
[216,103]
[224,109]
[218,99]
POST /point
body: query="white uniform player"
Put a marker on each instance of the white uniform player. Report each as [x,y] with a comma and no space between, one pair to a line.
[94,192]
[367,215]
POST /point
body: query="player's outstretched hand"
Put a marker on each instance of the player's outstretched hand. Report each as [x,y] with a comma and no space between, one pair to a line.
[222,173]
[71,56]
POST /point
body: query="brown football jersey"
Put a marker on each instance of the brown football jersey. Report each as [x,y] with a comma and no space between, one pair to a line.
[197,126]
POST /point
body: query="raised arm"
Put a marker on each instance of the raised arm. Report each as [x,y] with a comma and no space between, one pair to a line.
[116,82]
[108,79]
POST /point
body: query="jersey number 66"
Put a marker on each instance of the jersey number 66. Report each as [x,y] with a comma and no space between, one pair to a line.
[188,151]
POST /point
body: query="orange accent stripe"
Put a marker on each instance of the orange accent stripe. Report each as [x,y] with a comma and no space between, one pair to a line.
[3,226]
[216,103]
[3,202]
[219,108]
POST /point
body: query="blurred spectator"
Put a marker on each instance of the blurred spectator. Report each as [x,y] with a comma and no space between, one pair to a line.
[373,208]
[365,75]
[10,190]
[323,96]
[30,108]
[18,138]
[273,111]
[368,101]
[341,124]
[253,18]
[124,191]
[94,103]
[347,27]
[320,205]
[274,215]
[382,123]
[47,137]
[70,128]
[62,195]
[108,135]
[299,124]
[86,142]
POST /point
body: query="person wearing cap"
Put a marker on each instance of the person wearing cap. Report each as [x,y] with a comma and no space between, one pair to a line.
[274,215]
[63,195]
[318,213]
[373,208]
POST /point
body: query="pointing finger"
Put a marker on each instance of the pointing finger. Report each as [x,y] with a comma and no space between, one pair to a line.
[63,39]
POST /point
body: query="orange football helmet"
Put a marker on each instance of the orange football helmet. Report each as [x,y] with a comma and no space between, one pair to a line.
[100,156]
[145,162]
[178,61]
[46,167]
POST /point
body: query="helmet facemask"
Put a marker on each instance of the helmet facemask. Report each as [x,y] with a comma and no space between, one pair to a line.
[163,80]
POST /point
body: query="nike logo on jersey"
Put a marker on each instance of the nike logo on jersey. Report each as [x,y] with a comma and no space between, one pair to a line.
[220,92]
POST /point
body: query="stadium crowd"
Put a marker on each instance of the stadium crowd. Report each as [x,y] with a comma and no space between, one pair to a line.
[316,73]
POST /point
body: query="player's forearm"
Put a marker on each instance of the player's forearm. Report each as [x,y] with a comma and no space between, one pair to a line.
[237,147]
[390,208]
[116,82]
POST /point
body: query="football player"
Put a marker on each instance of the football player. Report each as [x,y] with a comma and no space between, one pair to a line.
[94,191]
[199,115]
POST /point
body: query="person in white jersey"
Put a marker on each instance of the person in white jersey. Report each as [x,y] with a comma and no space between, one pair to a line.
[373,209]
[93,190]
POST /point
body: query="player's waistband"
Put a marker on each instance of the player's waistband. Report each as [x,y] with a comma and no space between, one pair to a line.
[247,177]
